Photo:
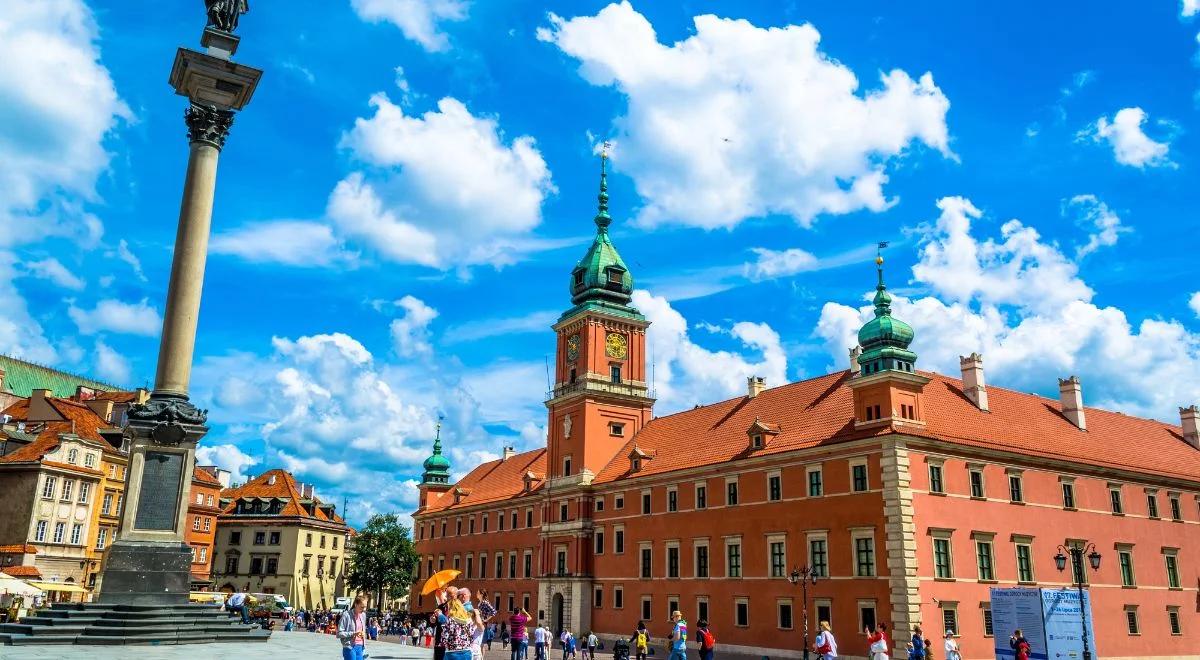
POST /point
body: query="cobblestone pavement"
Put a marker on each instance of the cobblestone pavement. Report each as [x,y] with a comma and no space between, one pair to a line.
[282,646]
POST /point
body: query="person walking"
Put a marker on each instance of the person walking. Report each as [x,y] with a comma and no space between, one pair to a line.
[918,644]
[879,646]
[640,641]
[1019,645]
[541,635]
[678,636]
[592,643]
[503,636]
[517,624]
[952,652]
[707,641]
[352,630]
[825,645]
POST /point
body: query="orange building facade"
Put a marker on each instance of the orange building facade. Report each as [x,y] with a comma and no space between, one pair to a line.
[909,494]
[204,506]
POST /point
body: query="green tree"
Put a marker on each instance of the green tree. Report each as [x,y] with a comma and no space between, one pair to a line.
[384,558]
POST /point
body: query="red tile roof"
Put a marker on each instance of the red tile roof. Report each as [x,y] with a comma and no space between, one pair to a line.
[492,481]
[283,488]
[22,571]
[820,411]
[116,397]
[205,477]
[18,549]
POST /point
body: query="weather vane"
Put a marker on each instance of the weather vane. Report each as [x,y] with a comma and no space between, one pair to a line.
[879,252]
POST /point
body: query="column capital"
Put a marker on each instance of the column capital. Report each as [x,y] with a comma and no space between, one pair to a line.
[168,420]
[207,124]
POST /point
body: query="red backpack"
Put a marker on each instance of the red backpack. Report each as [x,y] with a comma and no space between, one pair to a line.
[707,639]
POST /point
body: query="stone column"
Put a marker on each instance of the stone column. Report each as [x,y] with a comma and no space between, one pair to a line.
[150,564]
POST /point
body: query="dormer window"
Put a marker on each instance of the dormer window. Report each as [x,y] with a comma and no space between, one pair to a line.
[578,278]
[637,465]
[756,441]
[760,433]
[614,277]
[73,456]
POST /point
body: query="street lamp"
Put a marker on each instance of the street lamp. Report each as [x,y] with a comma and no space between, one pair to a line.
[1077,578]
[804,576]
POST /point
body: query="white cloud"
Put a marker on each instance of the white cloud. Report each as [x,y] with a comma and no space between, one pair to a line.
[59,104]
[687,374]
[126,255]
[1130,144]
[115,316]
[738,121]
[1140,368]
[227,457]
[779,263]
[1189,8]
[447,190]
[1194,303]
[417,19]
[290,242]
[20,334]
[485,328]
[410,333]
[1019,270]
[52,269]
[1102,223]
[111,365]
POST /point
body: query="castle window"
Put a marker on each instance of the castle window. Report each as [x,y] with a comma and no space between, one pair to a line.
[572,376]
[614,373]
[567,466]
[614,276]
[616,428]
[579,278]
[756,441]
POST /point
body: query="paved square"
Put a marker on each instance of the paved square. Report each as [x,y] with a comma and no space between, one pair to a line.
[295,645]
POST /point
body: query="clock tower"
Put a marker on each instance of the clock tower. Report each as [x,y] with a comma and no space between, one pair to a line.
[600,397]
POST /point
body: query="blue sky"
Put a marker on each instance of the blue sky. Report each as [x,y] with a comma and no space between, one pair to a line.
[399,207]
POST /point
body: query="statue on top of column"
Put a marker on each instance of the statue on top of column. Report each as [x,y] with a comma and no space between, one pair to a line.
[223,14]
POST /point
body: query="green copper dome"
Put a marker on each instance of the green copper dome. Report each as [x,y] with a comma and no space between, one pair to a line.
[601,280]
[437,467]
[885,339]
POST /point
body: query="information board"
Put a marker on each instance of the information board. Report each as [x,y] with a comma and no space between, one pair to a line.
[1014,609]
[1064,627]
[158,502]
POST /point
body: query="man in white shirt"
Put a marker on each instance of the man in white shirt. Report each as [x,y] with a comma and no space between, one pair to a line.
[540,636]
[237,603]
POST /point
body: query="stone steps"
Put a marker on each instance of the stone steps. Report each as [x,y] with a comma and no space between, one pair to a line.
[100,624]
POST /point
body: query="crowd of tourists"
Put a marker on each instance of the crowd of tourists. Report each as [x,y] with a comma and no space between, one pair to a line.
[464,625]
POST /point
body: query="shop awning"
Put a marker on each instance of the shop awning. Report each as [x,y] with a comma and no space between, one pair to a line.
[65,587]
[12,585]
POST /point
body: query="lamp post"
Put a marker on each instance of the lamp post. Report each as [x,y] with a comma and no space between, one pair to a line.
[803,576]
[1077,553]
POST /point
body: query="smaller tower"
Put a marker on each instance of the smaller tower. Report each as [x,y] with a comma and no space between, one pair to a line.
[436,477]
[888,389]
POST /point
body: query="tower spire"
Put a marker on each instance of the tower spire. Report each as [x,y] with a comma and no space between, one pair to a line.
[437,468]
[603,219]
[885,339]
[883,299]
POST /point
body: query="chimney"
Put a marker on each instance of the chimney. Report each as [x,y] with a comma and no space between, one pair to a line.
[40,409]
[755,385]
[972,378]
[141,395]
[102,407]
[1070,392]
[1188,419]
[854,353]
[509,452]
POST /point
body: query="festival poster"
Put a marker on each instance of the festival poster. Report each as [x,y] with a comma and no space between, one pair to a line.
[1064,626]
[1013,609]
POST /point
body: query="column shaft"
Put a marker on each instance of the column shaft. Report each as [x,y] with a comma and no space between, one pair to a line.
[187,271]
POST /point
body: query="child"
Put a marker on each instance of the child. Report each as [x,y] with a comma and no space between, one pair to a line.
[571,646]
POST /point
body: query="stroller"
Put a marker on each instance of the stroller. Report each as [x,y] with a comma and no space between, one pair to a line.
[620,650]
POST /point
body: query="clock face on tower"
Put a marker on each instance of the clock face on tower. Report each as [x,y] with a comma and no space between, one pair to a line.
[572,347]
[615,346]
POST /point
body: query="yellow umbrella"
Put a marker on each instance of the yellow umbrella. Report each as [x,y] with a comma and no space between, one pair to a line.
[439,580]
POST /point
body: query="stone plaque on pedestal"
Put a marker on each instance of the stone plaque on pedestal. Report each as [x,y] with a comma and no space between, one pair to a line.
[158,500]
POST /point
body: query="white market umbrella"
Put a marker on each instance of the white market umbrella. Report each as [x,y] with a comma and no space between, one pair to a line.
[12,585]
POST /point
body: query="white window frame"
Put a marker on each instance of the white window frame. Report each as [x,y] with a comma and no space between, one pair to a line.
[1126,549]
[1174,609]
[667,547]
[618,597]
[647,605]
[696,495]
[672,490]
[1019,476]
[946,535]
[1019,540]
[860,462]
[779,603]
[1137,620]
[775,474]
[808,480]
[646,500]
[696,545]
[741,600]
[734,540]
[820,535]
[977,468]
[778,537]
[858,610]
[618,531]
[952,606]
[864,533]
[738,489]
[940,465]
